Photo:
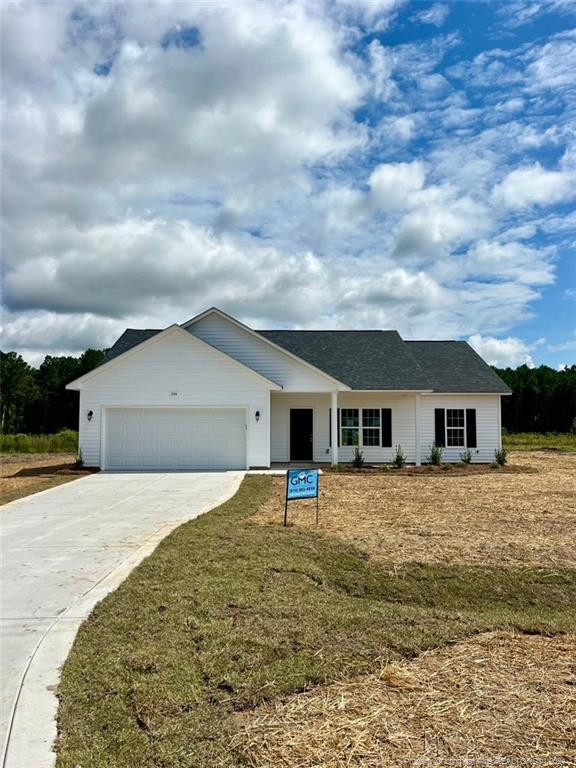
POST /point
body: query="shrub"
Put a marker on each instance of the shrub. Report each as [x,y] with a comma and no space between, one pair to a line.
[80,460]
[435,456]
[501,456]
[399,459]
[466,457]
[65,441]
[358,460]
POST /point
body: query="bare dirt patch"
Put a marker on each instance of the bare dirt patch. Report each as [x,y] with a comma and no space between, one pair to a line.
[516,518]
[495,699]
[23,474]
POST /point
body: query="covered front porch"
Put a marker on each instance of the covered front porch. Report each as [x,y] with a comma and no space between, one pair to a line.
[325,427]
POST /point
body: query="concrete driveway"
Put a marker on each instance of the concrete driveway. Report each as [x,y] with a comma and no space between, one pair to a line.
[62,551]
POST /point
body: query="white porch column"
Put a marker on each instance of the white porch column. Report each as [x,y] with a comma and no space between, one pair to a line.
[417,428]
[334,427]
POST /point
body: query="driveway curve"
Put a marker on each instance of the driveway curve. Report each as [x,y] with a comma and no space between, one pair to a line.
[62,551]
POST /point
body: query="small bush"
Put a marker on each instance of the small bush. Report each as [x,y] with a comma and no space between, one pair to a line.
[399,459]
[435,456]
[358,460]
[466,457]
[501,456]
[80,460]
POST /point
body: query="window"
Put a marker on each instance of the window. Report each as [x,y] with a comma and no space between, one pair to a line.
[455,427]
[349,426]
[361,426]
[370,426]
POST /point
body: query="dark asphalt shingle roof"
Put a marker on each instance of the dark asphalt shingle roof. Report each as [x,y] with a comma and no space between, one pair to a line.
[130,338]
[453,366]
[360,359]
[372,359]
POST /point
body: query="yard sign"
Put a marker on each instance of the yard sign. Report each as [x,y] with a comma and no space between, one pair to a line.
[301,484]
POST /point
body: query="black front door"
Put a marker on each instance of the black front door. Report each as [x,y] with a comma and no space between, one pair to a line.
[301,434]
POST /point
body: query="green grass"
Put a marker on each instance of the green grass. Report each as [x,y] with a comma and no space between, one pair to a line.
[65,441]
[533,441]
[226,614]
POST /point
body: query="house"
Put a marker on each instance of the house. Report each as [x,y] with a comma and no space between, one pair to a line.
[214,394]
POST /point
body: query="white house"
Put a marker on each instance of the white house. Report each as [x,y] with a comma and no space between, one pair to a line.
[214,394]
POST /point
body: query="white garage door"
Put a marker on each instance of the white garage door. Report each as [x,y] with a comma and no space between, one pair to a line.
[175,438]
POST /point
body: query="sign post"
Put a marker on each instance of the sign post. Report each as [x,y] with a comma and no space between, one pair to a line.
[301,484]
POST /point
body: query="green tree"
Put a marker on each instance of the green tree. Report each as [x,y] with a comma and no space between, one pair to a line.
[18,391]
[59,406]
[543,399]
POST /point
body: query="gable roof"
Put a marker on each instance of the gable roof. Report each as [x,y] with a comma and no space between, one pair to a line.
[453,366]
[133,338]
[215,311]
[367,360]
[360,359]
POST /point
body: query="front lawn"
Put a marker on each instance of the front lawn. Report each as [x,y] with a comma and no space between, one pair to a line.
[523,517]
[228,614]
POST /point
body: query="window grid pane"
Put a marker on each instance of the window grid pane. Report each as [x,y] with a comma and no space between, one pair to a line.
[349,436]
[371,417]
[455,417]
[370,436]
[455,437]
[349,417]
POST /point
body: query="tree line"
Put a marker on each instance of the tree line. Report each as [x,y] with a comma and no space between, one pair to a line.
[35,400]
[543,399]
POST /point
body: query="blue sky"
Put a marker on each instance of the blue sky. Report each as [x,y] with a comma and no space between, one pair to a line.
[392,164]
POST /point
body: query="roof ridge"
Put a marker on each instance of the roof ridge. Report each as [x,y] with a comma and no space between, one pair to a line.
[327,330]
[436,341]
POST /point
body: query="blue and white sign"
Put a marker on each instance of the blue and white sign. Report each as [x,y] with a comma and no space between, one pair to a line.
[302,484]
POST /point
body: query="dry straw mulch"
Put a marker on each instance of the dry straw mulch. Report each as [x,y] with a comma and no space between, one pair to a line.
[518,518]
[23,474]
[495,699]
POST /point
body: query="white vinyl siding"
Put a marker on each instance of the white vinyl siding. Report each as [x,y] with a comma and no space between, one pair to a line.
[258,354]
[403,424]
[198,375]
[487,425]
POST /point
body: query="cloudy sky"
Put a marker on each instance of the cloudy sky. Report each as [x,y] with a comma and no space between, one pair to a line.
[407,165]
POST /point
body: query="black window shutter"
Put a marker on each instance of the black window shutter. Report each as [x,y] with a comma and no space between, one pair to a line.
[330,427]
[471,427]
[386,433]
[439,431]
[338,428]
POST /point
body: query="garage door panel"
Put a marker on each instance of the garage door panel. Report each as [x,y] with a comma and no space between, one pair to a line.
[187,438]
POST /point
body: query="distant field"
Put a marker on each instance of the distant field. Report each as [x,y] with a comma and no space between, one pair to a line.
[67,442]
[533,441]
[62,442]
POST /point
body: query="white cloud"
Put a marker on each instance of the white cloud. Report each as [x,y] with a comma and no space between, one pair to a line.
[270,169]
[534,185]
[510,352]
[381,68]
[393,185]
[436,15]
[440,220]
[511,260]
